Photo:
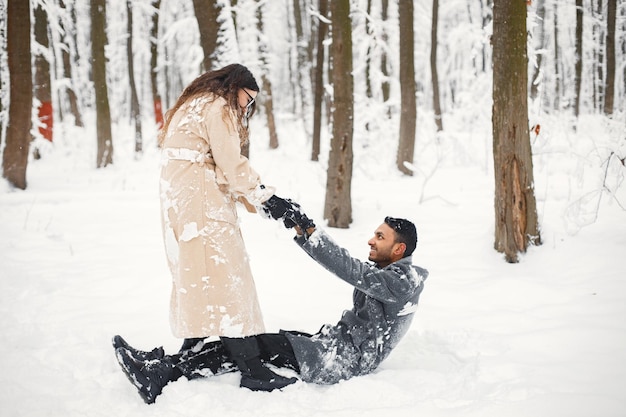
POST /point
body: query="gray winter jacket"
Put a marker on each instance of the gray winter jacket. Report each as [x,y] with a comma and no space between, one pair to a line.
[384,302]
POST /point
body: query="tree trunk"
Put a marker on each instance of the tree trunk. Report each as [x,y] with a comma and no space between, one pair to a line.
[15,155]
[516,223]
[154,54]
[541,15]
[578,59]
[66,58]
[408,106]
[134,100]
[384,68]
[207,14]
[338,205]
[303,69]
[319,81]
[266,98]
[609,91]
[368,54]
[104,155]
[42,89]
[598,52]
[433,66]
[557,72]
[3,87]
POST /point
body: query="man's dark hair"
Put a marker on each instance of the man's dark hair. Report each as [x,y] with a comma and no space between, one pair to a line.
[405,233]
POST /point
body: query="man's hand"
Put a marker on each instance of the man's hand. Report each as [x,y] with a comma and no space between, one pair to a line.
[297,216]
[276,207]
[289,212]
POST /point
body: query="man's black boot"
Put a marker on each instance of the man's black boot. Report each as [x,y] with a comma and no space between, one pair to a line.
[148,376]
[156,353]
[255,375]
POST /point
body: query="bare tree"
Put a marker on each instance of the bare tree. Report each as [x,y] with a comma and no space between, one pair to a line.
[318,96]
[154,54]
[15,156]
[268,102]
[609,91]
[540,41]
[303,59]
[338,204]
[384,67]
[3,89]
[42,89]
[207,13]
[67,25]
[598,54]
[578,65]
[104,155]
[433,66]
[516,223]
[135,110]
[408,105]
[557,72]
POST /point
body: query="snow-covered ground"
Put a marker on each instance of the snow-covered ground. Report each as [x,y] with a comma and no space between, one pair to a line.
[82,259]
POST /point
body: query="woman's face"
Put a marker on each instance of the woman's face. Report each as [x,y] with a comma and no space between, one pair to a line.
[246,97]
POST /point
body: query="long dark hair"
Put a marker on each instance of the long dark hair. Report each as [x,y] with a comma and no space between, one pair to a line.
[224,82]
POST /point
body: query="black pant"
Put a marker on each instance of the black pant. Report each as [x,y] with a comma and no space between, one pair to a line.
[276,349]
[273,348]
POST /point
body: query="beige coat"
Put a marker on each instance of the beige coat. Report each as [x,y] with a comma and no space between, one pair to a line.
[203,175]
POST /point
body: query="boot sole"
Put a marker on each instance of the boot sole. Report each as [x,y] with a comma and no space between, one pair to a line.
[260,385]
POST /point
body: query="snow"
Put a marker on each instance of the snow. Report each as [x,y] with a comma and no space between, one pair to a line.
[83,259]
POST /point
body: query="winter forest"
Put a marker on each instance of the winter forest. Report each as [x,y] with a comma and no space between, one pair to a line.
[126,61]
[500,126]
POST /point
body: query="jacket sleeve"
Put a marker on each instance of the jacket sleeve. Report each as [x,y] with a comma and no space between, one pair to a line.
[225,146]
[391,284]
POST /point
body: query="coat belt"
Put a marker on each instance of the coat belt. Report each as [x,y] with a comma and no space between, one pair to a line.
[185,154]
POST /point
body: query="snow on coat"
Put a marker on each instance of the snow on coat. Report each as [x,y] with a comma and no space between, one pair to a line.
[384,301]
[203,175]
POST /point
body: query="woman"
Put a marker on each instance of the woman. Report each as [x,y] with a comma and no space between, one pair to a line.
[203,176]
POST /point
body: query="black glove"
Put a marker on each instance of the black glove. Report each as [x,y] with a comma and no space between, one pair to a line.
[296,215]
[276,207]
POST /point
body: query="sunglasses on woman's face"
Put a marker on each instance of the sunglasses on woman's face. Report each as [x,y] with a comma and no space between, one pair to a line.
[248,111]
[251,101]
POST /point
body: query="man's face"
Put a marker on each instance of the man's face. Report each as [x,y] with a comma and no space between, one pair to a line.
[383,249]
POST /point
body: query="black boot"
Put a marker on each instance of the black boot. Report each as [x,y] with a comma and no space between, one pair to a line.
[245,353]
[148,376]
[192,344]
[156,353]
[210,360]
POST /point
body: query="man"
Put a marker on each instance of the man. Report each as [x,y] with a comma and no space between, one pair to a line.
[384,300]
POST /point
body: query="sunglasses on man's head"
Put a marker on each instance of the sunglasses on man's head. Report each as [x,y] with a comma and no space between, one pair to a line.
[395,224]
